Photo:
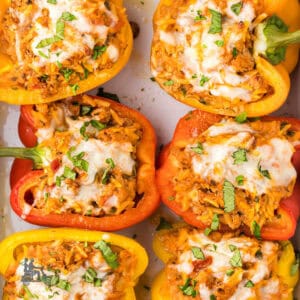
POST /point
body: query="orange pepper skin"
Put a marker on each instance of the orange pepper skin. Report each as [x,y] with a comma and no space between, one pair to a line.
[22,178]
[9,245]
[197,122]
[21,96]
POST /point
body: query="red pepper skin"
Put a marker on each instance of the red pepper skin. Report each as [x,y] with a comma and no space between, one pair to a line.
[26,127]
[19,168]
[196,122]
[21,197]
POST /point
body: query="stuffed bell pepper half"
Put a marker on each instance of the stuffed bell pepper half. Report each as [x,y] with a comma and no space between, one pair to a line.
[70,264]
[51,50]
[226,57]
[93,166]
[223,173]
[222,266]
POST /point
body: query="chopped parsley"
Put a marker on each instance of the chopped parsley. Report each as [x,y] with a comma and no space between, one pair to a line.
[163,224]
[66,72]
[216,22]
[198,253]
[256,230]
[239,156]
[241,118]
[74,87]
[78,160]
[236,8]
[109,256]
[228,196]
[98,51]
[240,179]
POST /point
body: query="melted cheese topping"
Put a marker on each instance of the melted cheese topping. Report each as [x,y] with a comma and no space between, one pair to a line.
[217,162]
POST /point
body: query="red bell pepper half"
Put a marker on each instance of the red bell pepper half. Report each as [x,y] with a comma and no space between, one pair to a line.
[27,171]
[193,124]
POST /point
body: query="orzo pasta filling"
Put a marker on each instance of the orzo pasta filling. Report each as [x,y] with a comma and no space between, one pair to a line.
[70,270]
[57,44]
[221,267]
[202,50]
[236,173]
[91,162]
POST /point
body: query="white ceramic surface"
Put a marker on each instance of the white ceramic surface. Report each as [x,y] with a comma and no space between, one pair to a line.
[135,89]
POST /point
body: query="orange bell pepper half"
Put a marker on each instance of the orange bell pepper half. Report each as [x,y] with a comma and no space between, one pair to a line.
[195,123]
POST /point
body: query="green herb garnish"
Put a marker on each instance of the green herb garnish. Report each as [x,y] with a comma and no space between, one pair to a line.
[216,22]
[236,8]
[110,257]
[228,196]
[239,156]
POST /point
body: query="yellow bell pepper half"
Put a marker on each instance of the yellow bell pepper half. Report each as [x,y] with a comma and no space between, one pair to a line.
[20,96]
[11,243]
[283,267]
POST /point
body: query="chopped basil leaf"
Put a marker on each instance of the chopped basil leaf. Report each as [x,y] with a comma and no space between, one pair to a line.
[198,149]
[188,288]
[66,16]
[106,175]
[236,260]
[216,22]
[60,28]
[264,173]
[203,80]
[232,247]
[52,1]
[236,8]
[110,257]
[199,16]
[235,52]
[239,156]
[48,41]
[64,285]
[198,253]
[249,284]
[256,230]
[163,224]
[98,51]
[69,173]
[228,196]
[85,110]
[207,231]
[241,118]
[169,83]
[240,179]
[98,125]
[259,254]
[229,272]
[74,87]
[219,43]
[66,72]
[215,222]
[295,266]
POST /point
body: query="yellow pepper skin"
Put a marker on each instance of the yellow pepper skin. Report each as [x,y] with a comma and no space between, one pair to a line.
[283,267]
[8,246]
[289,12]
[22,96]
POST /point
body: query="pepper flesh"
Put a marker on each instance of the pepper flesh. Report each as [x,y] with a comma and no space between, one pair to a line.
[9,245]
[145,185]
[198,121]
[23,96]
[287,259]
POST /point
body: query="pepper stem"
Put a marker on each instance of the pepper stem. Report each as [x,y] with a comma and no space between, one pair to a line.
[281,39]
[39,156]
